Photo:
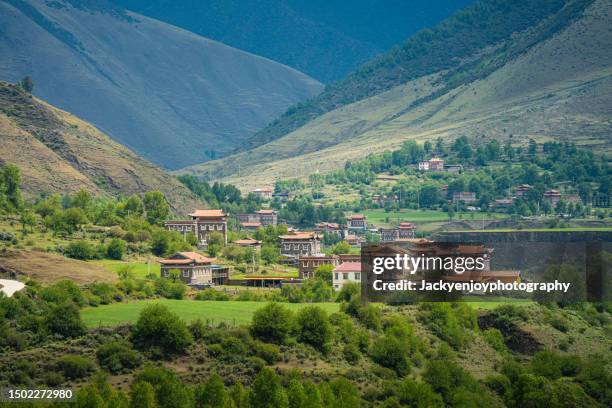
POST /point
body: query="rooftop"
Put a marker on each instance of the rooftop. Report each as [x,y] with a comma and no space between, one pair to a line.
[348,267]
[208,213]
[181,258]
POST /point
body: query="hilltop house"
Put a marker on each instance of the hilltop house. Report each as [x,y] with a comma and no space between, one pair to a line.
[404,230]
[202,224]
[300,244]
[433,164]
[192,267]
[522,189]
[330,227]
[250,225]
[264,193]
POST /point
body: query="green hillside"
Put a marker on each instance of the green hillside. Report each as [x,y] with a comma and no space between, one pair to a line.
[455,44]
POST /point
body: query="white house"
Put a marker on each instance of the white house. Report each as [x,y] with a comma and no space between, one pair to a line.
[346,272]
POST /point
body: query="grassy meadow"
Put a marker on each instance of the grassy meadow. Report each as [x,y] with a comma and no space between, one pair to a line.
[233,312]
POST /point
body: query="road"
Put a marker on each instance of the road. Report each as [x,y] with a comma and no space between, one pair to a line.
[10,286]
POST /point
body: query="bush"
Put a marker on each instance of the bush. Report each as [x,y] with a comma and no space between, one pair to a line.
[495,339]
[268,352]
[351,353]
[65,320]
[82,250]
[272,323]
[116,249]
[74,367]
[158,328]
[313,327]
[118,356]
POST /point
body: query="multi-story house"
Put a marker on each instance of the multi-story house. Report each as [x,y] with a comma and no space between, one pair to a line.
[308,264]
[356,222]
[300,244]
[263,217]
[466,197]
[264,193]
[193,268]
[202,224]
[345,273]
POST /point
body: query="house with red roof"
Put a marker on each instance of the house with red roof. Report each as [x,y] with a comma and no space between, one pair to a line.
[346,272]
[193,268]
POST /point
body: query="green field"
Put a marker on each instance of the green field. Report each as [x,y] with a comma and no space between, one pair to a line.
[568,229]
[139,269]
[233,312]
[379,216]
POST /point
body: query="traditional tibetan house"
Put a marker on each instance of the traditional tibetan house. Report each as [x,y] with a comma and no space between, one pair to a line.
[263,217]
[356,222]
[248,243]
[250,225]
[300,244]
[193,268]
[202,224]
[264,193]
[406,230]
[329,227]
[466,197]
[308,264]
[553,197]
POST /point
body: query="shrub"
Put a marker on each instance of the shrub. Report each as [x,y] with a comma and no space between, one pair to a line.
[495,339]
[268,352]
[158,328]
[116,249]
[272,323]
[313,327]
[74,367]
[65,320]
[117,356]
[351,353]
[82,250]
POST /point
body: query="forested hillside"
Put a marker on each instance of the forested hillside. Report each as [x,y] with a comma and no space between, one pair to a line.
[474,36]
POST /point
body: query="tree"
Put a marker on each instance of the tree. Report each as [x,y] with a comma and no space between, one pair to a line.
[80,250]
[158,328]
[27,84]
[142,395]
[212,394]
[295,394]
[418,394]
[27,220]
[272,323]
[341,247]
[82,199]
[324,272]
[11,180]
[133,206]
[267,391]
[313,327]
[156,207]
[116,249]
[269,253]
[65,319]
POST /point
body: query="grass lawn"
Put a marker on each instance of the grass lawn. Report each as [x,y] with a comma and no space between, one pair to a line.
[379,216]
[217,311]
[139,269]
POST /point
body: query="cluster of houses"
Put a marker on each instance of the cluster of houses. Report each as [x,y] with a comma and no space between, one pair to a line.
[437,164]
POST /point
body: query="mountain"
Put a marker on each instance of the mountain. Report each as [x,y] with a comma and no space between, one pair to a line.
[172,96]
[323,38]
[60,153]
[551,80]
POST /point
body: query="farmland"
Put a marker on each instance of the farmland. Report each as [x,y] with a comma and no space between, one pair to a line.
[232,312]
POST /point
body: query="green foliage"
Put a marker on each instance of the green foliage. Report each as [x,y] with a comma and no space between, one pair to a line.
[495,339]
[156,207]
[118,356]
[169,391]
[313,328]
[267,392]
[272,323]
[116,249]
[158,329]
[82,250]
[450,322]
[65,320]
[74,367]
[212,394]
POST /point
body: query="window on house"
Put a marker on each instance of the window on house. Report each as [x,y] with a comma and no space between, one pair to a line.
[336,276]
[186,273]
[345,276]
[358,276]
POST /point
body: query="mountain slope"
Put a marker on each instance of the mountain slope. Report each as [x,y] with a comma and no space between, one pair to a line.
[57,152]
[323,38]
[462,39]
[559,87]
[170,95]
